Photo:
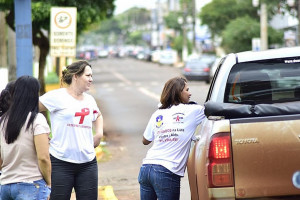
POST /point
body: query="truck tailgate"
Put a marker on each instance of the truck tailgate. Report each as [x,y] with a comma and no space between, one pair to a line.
[266,154]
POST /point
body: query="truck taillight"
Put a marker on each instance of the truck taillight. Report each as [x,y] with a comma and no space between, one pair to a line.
[220,161]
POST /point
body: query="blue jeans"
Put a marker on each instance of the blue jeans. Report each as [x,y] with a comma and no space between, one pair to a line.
[38,190]
[66,176]
[157,182]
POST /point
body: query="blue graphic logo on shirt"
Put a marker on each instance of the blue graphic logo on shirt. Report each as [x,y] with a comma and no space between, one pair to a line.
[159,121]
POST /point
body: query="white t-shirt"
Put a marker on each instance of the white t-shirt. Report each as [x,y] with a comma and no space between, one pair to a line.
[71,124]
[171,131]
[20,162]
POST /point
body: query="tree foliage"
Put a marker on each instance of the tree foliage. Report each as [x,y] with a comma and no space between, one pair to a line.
[217,14]
[125,25]
[171,20]
[89,12]
[238,21]
[238,34]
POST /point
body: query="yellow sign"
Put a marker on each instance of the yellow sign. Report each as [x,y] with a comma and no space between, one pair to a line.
[63,31]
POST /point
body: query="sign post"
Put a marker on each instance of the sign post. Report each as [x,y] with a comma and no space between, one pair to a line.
[63,33]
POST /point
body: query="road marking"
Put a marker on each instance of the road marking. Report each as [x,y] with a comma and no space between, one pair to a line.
[141,89]
[121,77]
[149,93]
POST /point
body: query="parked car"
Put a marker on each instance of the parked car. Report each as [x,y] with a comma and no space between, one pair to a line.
[197,69]
[155,55]
[168,57]
[103,53]
[248,147]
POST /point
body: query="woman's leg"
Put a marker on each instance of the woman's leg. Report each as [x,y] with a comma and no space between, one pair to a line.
[86,181]
[165,183]
[146,189]
[62,179]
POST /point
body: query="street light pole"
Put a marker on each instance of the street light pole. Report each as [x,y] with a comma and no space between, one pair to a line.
[298,13]
[263,26]
[184,49]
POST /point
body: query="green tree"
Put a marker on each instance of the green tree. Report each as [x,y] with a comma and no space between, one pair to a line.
[238,34]
[88,12]
[217,14]
[135,38]
[171,20]
[125,25]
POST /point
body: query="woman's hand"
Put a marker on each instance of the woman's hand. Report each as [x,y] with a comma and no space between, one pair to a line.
[97,140]
[98,127]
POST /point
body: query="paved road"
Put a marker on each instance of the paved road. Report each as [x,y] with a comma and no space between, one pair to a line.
[128,92]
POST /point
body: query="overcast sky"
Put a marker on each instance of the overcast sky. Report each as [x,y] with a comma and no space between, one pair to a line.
[123,5]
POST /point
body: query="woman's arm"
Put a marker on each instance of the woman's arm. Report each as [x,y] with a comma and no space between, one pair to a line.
[146,142]
[42,107]
[98,127]
[42,149]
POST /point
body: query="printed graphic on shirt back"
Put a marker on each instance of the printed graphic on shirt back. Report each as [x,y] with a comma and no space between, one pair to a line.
[178,118]
[159,121]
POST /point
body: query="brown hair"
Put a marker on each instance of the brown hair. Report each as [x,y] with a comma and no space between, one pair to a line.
[76,68]
[171,94]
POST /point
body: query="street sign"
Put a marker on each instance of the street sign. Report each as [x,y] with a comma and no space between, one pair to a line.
[63,31]
[256,44]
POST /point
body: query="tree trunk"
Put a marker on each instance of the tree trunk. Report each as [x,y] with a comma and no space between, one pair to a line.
[12,62]
[3,46]
[43,43]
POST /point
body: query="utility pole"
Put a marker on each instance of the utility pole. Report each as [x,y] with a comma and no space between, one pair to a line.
[184,25]
[194,26]
[23,37]
[263,26]
[298,31]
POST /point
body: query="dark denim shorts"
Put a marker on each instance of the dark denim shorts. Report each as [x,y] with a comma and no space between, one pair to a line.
[38,190]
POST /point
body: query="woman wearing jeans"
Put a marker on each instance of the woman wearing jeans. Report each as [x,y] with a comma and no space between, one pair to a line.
[171,129]
[25,161]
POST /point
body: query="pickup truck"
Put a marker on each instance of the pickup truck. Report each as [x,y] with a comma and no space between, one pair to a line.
[248,147]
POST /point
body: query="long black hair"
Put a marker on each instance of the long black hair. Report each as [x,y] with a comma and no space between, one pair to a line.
[25,99]
[5,97]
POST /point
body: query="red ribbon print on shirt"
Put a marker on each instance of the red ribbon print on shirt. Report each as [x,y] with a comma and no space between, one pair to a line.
[82,114]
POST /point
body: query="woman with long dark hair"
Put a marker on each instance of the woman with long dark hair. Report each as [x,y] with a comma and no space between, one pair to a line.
[25,160]
[5,97]
[171,129]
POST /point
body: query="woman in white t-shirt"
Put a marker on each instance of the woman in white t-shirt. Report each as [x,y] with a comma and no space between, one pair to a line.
[74,114]
[171,129]
[25,160]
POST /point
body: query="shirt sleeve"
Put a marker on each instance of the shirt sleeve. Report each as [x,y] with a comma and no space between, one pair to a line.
[149,131]
[95,108]
[199,114]
[49,100]
[40,125]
